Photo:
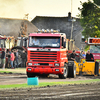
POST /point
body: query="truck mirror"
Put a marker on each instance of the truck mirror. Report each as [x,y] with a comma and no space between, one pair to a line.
[64,44]
[63,41]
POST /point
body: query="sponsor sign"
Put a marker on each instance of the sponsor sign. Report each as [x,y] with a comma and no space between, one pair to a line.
[94,41]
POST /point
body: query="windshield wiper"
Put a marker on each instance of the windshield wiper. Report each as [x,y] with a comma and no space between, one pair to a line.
[46,46]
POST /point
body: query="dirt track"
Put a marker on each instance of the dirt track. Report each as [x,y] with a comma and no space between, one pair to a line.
[60,92]
[19,78]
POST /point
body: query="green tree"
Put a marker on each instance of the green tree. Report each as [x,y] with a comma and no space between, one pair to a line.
[97,2]
[90,19]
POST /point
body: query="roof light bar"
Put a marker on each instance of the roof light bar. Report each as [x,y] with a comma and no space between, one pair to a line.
[48,31]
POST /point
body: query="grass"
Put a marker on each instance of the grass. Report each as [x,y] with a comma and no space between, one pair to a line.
[6,72]
[17,70]
[48,84]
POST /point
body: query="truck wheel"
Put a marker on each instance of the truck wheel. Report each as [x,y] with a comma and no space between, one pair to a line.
[96,72]
[72,71]
[64,75]
[30,74]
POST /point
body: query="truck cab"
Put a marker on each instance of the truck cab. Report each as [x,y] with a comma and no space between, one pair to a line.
[46,54]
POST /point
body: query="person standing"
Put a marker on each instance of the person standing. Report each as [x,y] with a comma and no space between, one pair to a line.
[3,58]
[12,59]
[23,56]
[89,56]
[14,62]
[73,55]
[83,54]
[8,61]
[16,59]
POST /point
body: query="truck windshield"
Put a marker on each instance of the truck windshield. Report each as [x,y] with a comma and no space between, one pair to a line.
[2,43]
[94,49]
[44,42]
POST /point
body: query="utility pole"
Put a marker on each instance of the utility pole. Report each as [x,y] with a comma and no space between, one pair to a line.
[71,37]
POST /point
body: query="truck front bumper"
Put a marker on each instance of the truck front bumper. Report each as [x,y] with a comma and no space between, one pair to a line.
[40,70]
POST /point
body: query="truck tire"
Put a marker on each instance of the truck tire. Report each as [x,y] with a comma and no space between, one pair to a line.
[96,71]
[30,74]
[65,74]
[71,71]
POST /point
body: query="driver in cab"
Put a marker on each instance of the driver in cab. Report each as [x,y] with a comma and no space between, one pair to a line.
[35,41]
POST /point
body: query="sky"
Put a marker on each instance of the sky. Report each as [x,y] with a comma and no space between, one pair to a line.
[18,8]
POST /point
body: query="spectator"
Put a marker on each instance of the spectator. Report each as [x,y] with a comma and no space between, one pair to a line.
[14,62]
[73,55]
[23,56]
[83,54]
[16,59]
[8,61]
[89,56]
[3,58]
[12,59]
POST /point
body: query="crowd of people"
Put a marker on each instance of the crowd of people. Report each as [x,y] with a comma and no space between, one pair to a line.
[88,56]
[12,59]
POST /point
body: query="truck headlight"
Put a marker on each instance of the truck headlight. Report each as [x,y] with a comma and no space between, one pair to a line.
[29,69]
[56,64]
[30,64]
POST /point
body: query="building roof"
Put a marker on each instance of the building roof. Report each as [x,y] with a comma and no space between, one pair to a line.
[64,24]
[11,27]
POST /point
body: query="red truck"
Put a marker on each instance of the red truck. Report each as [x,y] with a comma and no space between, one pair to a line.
[46,54]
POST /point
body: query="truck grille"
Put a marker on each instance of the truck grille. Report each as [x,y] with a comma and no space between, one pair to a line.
[43,56]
